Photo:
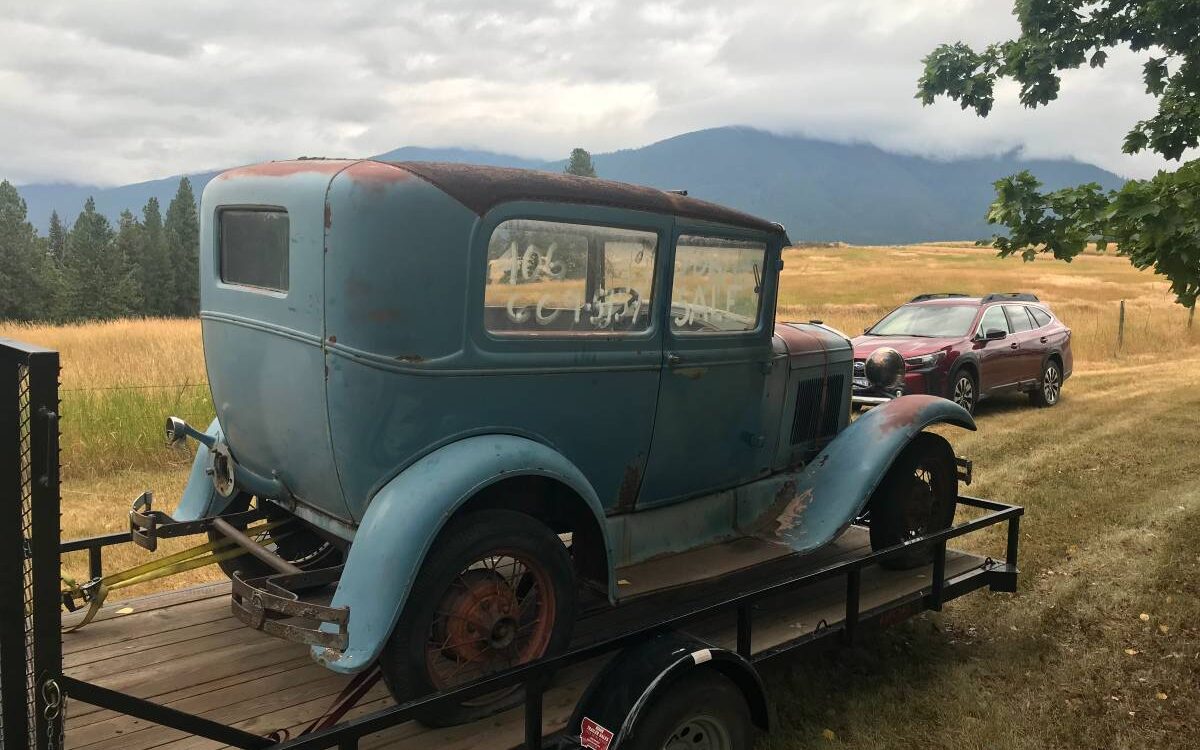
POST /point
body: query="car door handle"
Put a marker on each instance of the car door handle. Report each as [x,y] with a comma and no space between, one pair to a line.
[1044,339]
[674,360]
[1013,345]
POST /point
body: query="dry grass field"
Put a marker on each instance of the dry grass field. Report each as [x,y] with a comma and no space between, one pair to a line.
[1099,649]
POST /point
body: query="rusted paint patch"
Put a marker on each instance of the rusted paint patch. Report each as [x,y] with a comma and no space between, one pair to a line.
[631,482]
[903,413]
[692,373]
[328,215]
[410,359]
[377,175]
[333,339]
[285,168]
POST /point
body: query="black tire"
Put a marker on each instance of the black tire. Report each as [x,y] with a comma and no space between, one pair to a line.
[293,541]
[1048,391]
[917,496]
[963,389]
[418,655]
[701,709]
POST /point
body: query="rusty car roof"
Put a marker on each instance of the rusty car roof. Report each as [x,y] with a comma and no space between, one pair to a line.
[481,188]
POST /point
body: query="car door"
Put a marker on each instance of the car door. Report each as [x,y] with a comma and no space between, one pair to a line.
[1026,351]
[709,423]
[995,362]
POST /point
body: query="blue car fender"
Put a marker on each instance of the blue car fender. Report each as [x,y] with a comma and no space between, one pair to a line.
[835,487]
[200,498]
[405,517]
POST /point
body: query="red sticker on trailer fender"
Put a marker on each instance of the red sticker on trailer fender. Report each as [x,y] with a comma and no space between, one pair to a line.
[594,736]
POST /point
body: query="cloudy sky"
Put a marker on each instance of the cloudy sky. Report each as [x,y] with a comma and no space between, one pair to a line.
[116,91]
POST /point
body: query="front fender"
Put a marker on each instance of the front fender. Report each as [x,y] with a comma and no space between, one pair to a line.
[406,515]
[836,486]
[200,498]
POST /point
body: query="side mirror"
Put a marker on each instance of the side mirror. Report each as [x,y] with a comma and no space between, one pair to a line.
[995,334]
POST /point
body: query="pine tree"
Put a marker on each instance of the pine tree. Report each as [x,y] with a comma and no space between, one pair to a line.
[154,277]
[28,281]
[57,238]
[580,164]
[128,251]
[182,229]
[96,277]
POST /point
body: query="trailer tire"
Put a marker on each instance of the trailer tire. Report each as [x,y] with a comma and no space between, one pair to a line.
[299,545]
[700,709]
[436,615]
[917,496]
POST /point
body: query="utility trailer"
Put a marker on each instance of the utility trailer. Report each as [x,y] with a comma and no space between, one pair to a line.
[178,670]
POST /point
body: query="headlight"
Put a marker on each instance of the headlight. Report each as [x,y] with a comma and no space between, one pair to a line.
[925,360]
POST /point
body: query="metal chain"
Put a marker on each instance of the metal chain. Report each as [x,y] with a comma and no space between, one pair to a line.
[54,714]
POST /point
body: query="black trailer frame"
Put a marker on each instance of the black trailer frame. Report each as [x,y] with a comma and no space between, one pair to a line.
[33,686]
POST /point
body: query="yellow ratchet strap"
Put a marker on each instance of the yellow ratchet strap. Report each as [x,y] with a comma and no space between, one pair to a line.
[94,592]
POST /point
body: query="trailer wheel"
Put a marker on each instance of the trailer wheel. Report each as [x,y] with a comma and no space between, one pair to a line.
[700,710]
[294,542]
[917,496]
[497,590]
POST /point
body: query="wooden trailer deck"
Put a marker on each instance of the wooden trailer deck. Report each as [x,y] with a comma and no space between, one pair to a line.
[185,650]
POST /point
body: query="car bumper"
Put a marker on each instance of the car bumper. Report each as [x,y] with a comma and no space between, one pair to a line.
[915,381]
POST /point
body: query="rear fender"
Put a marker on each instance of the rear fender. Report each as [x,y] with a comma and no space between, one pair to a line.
[835,487]
[200,499]
[406,515]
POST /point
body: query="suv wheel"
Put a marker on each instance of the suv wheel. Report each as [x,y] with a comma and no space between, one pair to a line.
[1049,387]
[964,391]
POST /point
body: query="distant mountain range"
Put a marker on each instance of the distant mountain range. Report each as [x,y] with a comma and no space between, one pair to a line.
[819,190]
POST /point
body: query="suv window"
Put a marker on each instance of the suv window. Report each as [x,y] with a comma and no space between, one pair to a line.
[547,278]
[1040,317]
[993,317]
[717,286]
[1018,319]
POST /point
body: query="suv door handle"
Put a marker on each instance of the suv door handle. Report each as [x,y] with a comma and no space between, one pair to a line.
[1013,345]
[674,360]
[1044,339]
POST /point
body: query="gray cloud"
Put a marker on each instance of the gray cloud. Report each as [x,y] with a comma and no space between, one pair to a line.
[123,91]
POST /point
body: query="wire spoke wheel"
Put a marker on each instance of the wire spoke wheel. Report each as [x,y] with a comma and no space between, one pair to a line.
[497,590]
[498,613]
[917,497]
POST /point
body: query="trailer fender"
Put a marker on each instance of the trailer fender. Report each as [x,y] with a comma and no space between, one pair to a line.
[616,697]
[835,487]
[406,515]
[200,499]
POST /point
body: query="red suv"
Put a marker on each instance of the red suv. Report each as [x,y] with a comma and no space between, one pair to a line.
[964,348]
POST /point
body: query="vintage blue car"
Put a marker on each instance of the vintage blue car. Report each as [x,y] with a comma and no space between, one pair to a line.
[470,398]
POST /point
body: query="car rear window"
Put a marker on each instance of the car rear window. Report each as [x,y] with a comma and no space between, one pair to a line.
[254,248]
[1018,319]
[1041,317]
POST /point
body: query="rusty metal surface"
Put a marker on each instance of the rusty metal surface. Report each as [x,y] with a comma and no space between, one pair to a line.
[262,603]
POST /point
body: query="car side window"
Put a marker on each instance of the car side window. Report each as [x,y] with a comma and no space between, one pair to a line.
[1040,317]
[717,286]
[548,278]
[1018,319]
[993,317]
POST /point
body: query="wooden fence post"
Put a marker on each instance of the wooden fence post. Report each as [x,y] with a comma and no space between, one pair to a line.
[1121,329]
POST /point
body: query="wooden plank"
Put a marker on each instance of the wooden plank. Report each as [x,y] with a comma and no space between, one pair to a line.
[160,639]
[144,617]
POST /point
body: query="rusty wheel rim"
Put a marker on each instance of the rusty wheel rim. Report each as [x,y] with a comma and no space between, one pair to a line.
[921,504]
[497,613]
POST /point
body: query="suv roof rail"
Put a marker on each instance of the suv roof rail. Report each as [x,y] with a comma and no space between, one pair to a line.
[1011,297]
[937,295]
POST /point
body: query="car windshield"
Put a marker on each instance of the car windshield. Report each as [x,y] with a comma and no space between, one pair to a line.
[941,321]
